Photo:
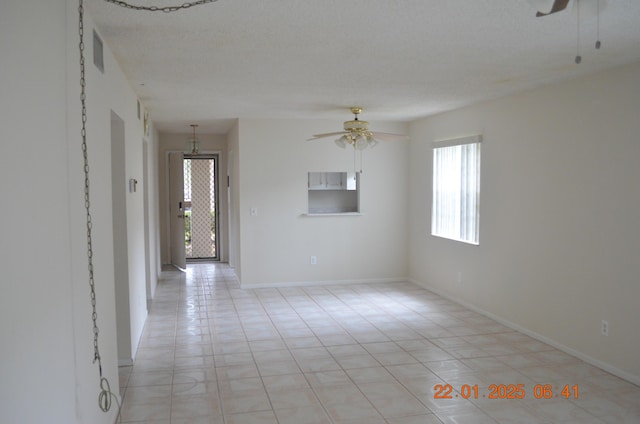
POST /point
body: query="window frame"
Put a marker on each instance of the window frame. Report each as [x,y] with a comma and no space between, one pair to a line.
[471,187]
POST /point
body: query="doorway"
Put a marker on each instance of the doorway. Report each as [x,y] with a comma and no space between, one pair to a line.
[120,241]
[201,218]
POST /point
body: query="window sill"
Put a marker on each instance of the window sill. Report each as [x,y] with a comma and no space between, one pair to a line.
[472,243]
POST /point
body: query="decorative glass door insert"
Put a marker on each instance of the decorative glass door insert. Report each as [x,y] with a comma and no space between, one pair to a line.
[200,207]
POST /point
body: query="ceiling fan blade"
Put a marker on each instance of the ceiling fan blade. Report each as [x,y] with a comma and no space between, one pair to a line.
[333,134]
[357,131]
[558,5]
[389,136]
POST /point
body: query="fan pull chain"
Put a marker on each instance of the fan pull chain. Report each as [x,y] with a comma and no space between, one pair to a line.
[355,166]
[578,57]
[598,43]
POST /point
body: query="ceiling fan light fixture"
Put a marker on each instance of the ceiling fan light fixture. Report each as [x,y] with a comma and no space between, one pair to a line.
[356,133]
[361,142]
[342,142]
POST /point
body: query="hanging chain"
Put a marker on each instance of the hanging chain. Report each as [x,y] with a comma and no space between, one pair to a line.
[87,198]
[105,396]
[166,9]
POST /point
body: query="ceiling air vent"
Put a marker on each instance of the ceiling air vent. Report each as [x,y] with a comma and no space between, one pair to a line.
[98,58]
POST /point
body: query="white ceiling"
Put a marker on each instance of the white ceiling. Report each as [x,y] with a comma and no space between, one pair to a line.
[399,59]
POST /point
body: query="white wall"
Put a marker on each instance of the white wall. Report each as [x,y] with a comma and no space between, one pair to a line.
[209,143]
[559,233]
[48,374]
[274,160]
[38,367]
[110,92]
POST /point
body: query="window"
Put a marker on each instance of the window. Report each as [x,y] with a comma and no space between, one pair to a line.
[456,189]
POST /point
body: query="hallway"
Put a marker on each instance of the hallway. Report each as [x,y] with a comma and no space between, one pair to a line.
[367,353]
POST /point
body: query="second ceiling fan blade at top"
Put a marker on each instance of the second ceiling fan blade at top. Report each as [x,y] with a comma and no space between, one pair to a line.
[332,134]
[558,6]
[383,136]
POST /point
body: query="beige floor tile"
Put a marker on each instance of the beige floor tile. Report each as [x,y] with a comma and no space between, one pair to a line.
[303,415]
[145,394]
[195,406]
[261,417]
[286,381]
[292,398]
[371,374]
[357,411]
[239,385]
[345,354]
[415,419]
[157,409]
[342,394]
[328,378]
[245,401]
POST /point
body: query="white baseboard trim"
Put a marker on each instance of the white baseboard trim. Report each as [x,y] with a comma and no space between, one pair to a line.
[635,379]
[285,284]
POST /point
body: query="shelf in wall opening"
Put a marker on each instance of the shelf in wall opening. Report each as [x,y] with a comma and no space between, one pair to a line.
[333,214]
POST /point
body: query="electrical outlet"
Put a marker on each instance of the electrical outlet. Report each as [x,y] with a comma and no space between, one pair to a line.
[313,260]
[604,329]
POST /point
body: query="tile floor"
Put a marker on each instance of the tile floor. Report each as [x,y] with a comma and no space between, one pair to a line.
[369,353]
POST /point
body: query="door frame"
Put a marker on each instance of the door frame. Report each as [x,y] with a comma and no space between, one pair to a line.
[216,193]
[166,204]
[177,256]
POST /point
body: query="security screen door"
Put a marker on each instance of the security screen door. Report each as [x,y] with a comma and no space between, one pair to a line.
[200,206]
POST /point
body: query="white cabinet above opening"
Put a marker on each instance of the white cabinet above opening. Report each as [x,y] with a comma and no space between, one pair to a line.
[332,181]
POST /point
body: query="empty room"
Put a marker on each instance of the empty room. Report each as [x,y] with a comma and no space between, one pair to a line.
[329,212]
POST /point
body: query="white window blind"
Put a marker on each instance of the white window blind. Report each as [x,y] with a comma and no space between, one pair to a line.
[456,189]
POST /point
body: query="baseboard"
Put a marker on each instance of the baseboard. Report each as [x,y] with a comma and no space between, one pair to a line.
[285,284]
[590,360]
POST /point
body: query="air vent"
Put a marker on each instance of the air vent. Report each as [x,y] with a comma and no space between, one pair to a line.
[98,58]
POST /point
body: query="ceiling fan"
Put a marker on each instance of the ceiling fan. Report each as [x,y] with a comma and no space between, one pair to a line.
[589,7]
[357,134]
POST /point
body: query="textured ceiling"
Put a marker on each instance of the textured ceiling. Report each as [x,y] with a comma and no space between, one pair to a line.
[399,59]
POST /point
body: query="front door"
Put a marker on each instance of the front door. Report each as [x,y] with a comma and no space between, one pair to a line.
[200,206]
